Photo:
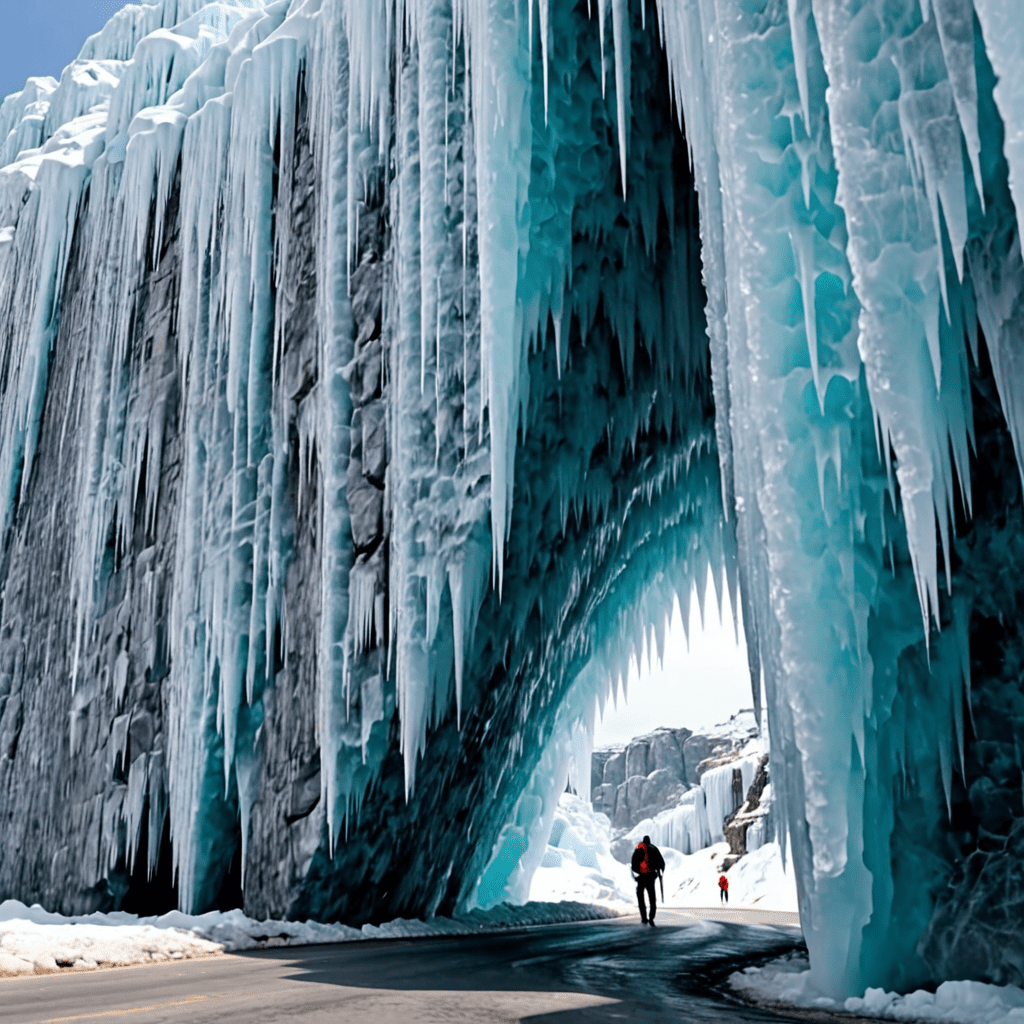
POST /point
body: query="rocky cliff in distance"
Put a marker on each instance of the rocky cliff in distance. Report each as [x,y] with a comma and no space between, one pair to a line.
[652,772]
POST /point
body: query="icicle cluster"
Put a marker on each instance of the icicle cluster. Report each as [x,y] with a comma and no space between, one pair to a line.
[850,250]
[195,104]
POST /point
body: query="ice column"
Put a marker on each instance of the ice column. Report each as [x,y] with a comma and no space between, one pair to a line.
[793,378]
[898,186]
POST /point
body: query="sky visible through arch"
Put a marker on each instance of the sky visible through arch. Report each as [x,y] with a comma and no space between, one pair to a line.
[41,37]
[696,686]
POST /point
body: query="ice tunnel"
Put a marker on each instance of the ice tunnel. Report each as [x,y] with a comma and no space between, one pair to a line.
[374,374]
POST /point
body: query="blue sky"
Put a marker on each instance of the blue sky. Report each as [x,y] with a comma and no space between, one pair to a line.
[41,37]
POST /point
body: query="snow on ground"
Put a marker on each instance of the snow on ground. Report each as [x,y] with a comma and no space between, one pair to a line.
[33,941]
[787,982]
[757,880]
[578,865]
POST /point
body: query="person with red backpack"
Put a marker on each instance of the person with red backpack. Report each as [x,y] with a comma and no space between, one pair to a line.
[647,865]
[723,889]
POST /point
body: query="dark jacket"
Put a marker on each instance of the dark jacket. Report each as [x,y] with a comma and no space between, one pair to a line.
[655,861]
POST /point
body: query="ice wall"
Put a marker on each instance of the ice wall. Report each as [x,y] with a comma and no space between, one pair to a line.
[355,490]
[849,159]
[370,389]
[698,820]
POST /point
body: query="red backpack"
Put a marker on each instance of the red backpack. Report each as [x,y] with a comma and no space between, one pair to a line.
[645,864]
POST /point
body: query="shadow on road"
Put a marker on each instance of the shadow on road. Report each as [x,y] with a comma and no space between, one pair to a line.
[667,973]
[585,973]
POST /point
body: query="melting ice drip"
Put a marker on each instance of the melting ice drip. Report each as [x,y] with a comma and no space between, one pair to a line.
[849,254]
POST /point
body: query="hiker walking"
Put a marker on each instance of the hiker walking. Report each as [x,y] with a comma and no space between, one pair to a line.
[647,865]
[723,889]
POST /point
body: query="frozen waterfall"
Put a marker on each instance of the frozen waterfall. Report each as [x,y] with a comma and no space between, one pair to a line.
[375,375]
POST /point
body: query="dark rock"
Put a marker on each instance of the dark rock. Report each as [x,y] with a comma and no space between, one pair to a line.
[141,731]
[615,768]
[636,758]
[375,450]
[305,791]
[983,903]
[365,506]
[736,825]
[364,374]
[757,787]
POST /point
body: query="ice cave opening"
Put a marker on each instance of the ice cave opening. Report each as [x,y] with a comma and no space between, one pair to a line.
[698,678]
[376,374]
[678,756]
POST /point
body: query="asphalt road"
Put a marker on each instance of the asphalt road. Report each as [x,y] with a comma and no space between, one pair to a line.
[588,973]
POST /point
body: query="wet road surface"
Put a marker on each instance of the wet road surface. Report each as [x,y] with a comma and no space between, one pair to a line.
[587,973]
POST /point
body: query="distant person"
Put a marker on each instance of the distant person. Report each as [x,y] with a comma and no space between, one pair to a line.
[723,889]
[647,865]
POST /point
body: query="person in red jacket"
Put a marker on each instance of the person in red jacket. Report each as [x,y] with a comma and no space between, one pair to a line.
[723,889]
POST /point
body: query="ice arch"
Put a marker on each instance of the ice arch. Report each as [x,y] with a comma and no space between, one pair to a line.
[370,382]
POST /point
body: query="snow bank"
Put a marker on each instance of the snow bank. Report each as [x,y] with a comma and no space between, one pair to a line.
[578,865]
[963,1002]
[757,880]
[33,941]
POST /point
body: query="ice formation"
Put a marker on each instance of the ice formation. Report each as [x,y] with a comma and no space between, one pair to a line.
[375,374]
[699,818]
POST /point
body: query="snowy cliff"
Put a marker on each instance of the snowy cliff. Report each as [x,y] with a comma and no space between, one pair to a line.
[374,376]
[654,773]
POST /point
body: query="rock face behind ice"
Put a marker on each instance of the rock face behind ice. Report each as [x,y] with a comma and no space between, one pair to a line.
[746,827]
[651,773]
[291,547]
